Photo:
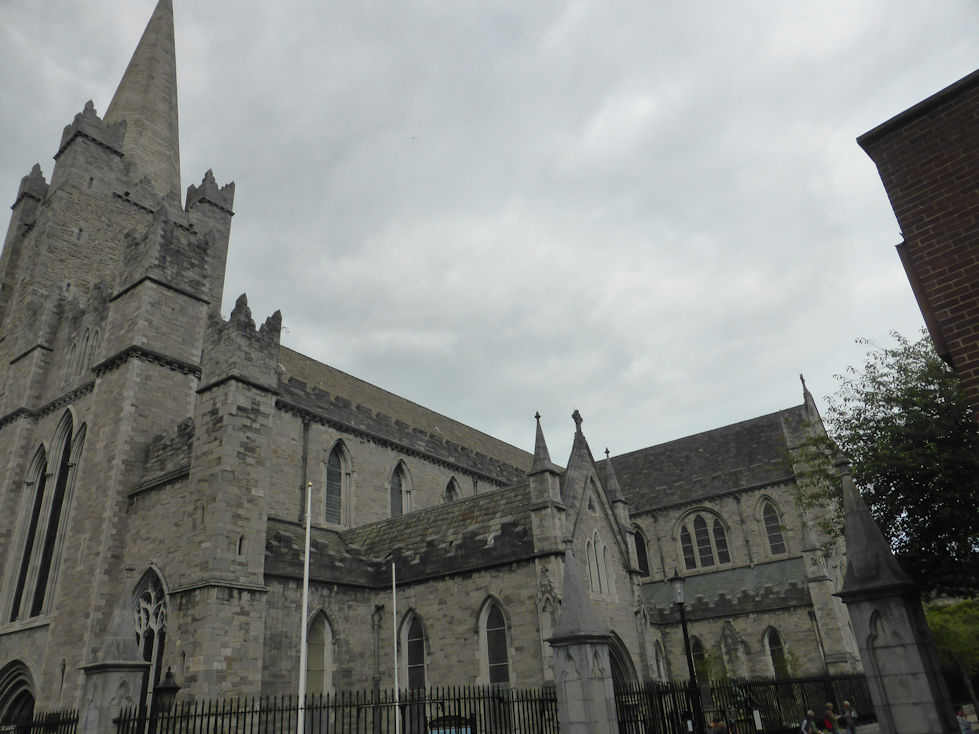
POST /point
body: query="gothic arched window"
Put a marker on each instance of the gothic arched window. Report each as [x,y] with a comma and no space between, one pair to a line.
[38,481]
[334,485]
[416,654]
[451,491]
[701,665]
[400,491]
[711,542]
[496,646]
[150,613]
[45,521]
[642,558]
[776,653]
[773,528]
[319,656]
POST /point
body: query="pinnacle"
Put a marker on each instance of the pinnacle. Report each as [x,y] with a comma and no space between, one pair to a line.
[147,100]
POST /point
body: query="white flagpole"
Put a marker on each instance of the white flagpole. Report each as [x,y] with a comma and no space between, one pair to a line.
[394,628]
[302,636]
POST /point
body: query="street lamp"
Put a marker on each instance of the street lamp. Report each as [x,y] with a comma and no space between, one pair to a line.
[677,583]
[165,693]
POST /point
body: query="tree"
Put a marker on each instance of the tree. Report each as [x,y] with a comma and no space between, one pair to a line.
[955,630]
[908,431]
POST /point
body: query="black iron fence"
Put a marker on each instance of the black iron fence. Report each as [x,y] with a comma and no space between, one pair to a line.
[748,705]
[453,710]
[55,722]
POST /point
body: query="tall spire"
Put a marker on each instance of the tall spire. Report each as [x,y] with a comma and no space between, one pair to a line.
[147,100]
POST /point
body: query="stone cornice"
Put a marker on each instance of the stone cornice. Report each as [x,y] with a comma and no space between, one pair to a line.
[162,284]
[236,378]
[25,195]
[314,417]
[216,583]
[146,355]
[19,357]
[60,401]
[81,134]
[161,480]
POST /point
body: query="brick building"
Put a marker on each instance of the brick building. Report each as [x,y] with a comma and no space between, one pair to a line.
[928,159]
[156,458]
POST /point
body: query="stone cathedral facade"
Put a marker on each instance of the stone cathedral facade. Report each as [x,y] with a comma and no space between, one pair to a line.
[155,458]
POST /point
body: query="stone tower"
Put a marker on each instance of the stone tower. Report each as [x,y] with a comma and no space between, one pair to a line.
[110,293]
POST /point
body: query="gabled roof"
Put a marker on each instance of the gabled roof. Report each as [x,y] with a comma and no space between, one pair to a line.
[740,455]
[353,403]
[476,532]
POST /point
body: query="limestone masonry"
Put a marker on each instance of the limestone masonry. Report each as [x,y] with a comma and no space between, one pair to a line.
[155,459]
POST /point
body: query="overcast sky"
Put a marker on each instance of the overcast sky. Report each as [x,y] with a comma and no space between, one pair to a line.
[654,212]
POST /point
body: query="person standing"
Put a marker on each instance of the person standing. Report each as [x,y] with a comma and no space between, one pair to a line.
[965,726]
[829,720]
[849,716]
[808,725]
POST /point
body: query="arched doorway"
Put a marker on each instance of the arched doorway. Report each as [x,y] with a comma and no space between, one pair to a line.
[623,671]
[16,694]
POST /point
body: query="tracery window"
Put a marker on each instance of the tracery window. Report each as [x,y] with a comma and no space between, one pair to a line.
[45,521]
[773,528]
[451,491]
[706,545]
[150,614]
[642,557]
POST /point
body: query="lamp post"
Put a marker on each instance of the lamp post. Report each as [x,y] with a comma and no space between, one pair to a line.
[301,716]
[677,583]
[164,694]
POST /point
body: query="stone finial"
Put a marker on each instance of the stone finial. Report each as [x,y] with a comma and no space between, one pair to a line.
[542,458]
[241,314]
[32,186]
[612,487]
[578,420]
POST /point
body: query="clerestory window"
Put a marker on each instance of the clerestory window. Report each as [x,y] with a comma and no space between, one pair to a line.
[703,542]
[773,528]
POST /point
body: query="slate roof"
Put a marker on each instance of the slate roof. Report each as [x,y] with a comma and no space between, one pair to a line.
[360,406]
[694,468]
[765,586]
[475,532]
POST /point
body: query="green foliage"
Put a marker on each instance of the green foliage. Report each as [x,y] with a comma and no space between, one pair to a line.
[955,630]
[905,425]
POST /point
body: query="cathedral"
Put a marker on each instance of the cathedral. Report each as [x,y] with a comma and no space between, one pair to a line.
[156,460]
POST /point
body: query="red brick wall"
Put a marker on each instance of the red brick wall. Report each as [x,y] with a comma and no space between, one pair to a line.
[928,159]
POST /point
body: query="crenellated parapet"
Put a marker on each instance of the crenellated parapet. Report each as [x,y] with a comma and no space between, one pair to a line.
[167,253]
[209,192]
[33,187]
[236,350]
[87,125]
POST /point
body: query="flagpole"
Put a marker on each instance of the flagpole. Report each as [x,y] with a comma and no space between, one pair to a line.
[394,630]
[302,637]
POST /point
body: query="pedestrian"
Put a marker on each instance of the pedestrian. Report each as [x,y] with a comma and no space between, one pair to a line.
[829,720]
[849,716]
[808,725]
[965,726]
